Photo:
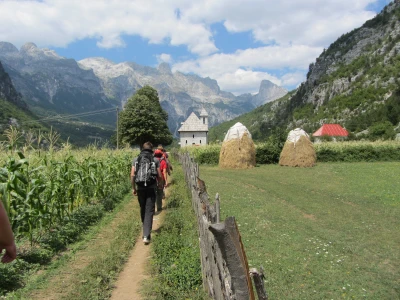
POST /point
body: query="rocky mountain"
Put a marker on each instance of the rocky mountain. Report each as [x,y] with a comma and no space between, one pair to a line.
[180,94]
[14,111]
[51,83]
[355,82]
[7,90]
[268,92]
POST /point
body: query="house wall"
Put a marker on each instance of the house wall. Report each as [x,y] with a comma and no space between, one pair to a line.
[187,139]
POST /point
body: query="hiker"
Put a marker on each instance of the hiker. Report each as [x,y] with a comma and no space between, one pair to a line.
[6,237]
[169,165]
[144,175]
[158,154]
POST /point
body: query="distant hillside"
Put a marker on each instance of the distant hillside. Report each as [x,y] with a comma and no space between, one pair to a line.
[355,82]
[14,110]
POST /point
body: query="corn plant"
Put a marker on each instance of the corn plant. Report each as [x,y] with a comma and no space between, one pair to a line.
[42,189]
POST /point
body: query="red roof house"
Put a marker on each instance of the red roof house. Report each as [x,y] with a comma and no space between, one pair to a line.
[331,130]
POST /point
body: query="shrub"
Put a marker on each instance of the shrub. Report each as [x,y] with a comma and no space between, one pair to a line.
[354,151]
[267,153]
[12,275]
[381,130]
[39,255]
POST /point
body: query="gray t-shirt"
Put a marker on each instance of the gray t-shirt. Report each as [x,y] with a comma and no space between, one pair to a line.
[157,167]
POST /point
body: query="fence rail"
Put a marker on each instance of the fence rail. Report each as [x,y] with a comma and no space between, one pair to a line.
[225,270]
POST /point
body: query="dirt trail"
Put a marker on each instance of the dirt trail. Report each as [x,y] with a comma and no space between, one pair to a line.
[66,278]
[129,282]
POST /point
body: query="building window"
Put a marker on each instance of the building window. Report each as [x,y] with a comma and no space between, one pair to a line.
[186,141]
[200,141]
[204,120]
[193,135]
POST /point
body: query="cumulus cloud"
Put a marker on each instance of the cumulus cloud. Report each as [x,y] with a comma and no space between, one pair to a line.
[293,79]
[309,22]
[164,58]
[244,81]
[58,23]
[237,70]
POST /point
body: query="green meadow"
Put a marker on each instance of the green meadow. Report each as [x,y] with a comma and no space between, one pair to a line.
[328,232]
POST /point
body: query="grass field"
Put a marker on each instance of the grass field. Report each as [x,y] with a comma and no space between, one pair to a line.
[328,232]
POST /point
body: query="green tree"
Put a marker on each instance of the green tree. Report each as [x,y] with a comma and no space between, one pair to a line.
[382,130]
[143,119]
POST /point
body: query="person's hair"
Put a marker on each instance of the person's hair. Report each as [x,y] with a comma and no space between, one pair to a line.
[148,146]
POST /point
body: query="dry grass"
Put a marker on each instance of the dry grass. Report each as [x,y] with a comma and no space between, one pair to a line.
[238,153]
[300,154]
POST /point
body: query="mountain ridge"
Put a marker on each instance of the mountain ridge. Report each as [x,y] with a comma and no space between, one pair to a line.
[53,84]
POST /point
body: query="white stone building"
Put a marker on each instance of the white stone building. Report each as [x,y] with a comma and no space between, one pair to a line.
[194,130]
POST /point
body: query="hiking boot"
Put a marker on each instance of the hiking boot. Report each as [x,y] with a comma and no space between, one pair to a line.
[146,241]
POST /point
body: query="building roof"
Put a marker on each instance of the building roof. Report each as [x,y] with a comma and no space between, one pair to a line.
[331,130]
[203,113]
[193,123]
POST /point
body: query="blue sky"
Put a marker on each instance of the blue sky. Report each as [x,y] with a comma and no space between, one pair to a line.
[237,42]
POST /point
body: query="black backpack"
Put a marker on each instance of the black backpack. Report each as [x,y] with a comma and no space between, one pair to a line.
[145,170]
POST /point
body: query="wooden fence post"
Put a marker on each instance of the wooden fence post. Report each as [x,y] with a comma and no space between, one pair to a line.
[258,278]
[218,208]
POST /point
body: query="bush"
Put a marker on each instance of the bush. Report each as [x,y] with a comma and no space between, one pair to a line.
[267,153]
[358,151]
[37,256]
[12,275]
[381,130]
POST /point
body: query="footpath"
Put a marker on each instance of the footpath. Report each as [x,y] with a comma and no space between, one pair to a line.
[128,285]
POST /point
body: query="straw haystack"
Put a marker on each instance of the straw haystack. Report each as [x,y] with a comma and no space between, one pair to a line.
[238,150]
[298,150]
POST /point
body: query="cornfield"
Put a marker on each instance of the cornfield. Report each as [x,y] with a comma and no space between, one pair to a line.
[42,188]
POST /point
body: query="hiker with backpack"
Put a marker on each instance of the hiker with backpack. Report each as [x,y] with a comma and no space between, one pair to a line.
[158,154]
[145,175]
[169,165]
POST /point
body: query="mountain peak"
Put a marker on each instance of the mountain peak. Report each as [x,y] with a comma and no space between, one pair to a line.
[164,68]
[28,47]
[269,91]
[266,84]
[7,47]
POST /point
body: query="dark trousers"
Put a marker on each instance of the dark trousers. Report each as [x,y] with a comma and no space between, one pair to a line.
[160,196]
[147,201]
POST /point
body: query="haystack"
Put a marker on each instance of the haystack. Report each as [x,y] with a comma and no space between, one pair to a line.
[238,150]
[298,150]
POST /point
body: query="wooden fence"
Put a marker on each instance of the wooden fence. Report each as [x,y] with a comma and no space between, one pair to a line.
[225,270]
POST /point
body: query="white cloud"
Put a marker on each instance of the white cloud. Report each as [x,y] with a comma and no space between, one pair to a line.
[244,81]
[272,57]
[236,71]
[293,79]
[309,22]
[164,58]
[58,23]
